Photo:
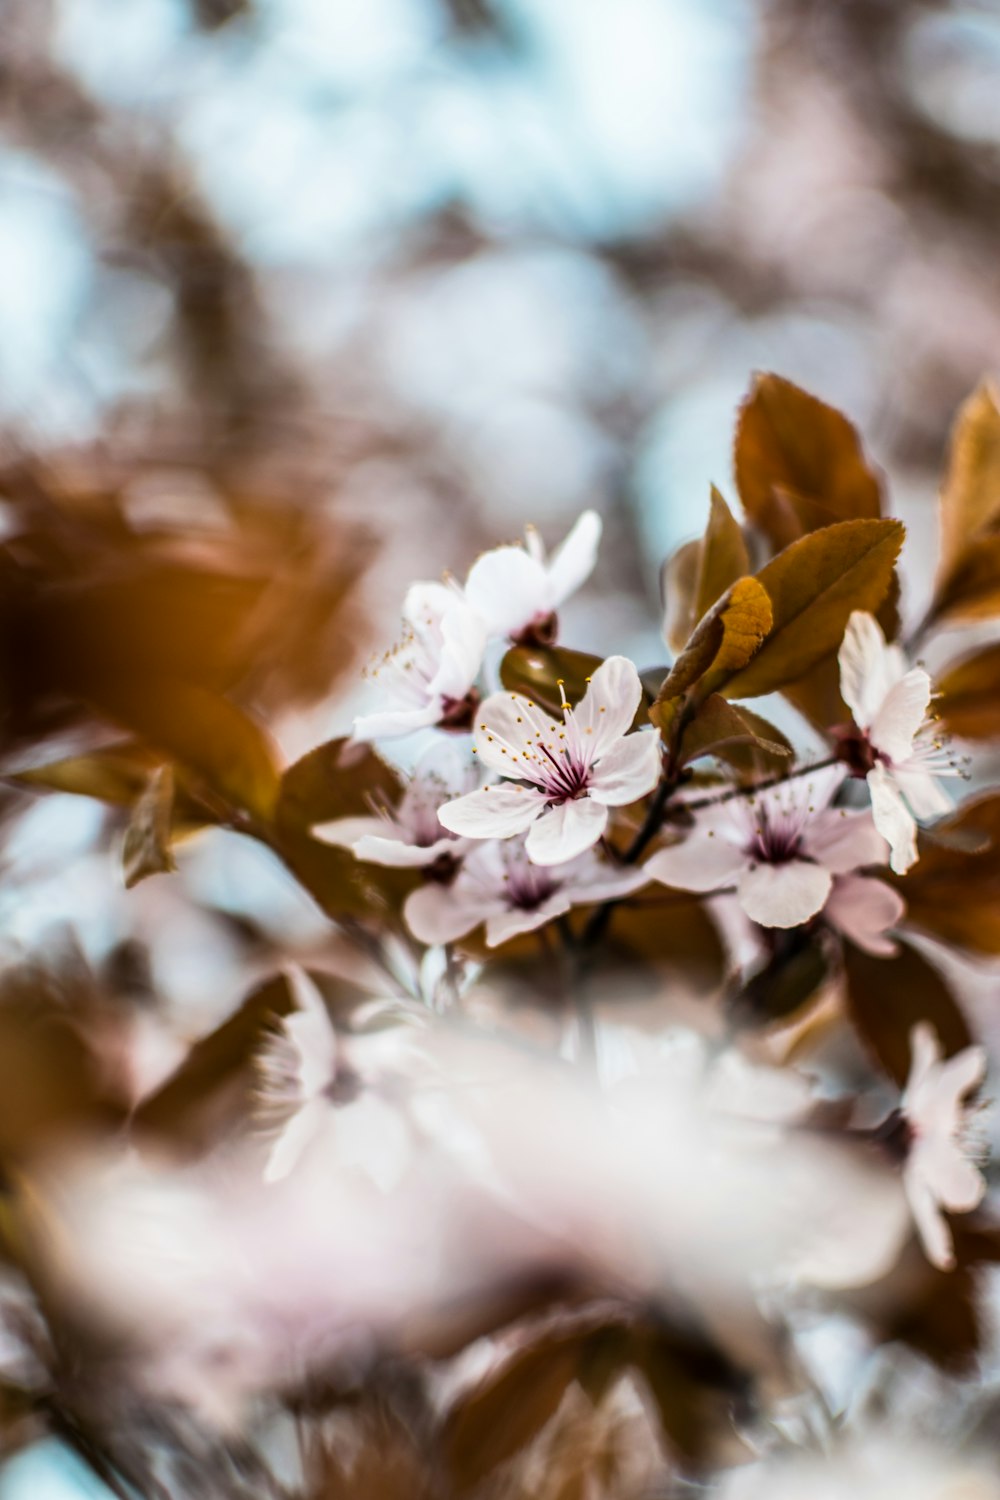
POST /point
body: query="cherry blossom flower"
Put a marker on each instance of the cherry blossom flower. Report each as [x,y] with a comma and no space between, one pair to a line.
[789,855]
[409,835]
[429,677]
[500,886]
[569,773]
[938,1172]
[517,590]
[897,750]
[310,1091]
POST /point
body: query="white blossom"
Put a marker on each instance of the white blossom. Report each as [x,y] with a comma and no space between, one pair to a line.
[568,773]
[517,590]
[899,750]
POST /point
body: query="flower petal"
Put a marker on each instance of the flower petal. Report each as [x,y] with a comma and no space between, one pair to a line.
[901,714]
[604,883]
[869,667]
[964,1072]
[627,771]
[931,1225]
[295,1136]
[438,914]
[864,909]
[783,895]
[494,812]
[893,819]
[925,1054]
[951,1176]
[573,560]
[843,841]
[345,832]
[564,831]
[504,925]
[393,722]
[607,708]
[464,642]
[508,588]
[699,863]
[509,730]
[924,796]
[396,855]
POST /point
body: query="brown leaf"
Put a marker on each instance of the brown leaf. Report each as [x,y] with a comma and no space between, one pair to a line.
[799,463]
[718,727]
[696,579]
[953,891]
[970,497]
[813,586]
[886,997]
[723,641]
[146,846]
[969,695]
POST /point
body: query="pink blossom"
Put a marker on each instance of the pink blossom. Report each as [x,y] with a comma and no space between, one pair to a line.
[568,773]
[500,886]
[789,855]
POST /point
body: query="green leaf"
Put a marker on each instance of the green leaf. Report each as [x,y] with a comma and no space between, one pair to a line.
[799,463]
[813,586]
[700,573]
[146,846]
[886,997]
[723,641]
[718,726]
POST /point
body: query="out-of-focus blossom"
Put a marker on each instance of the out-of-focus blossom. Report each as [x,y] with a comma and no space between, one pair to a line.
[789,855]
[938,1172]
[311,1091]
[870,1469]
[897,751]
[409,835]
[429,677]
[517,590]
[568,773]
[499,885]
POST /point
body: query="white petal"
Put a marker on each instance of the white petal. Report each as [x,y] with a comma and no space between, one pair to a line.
[311,1031]
[390,723]
[844,841]
[864,910]
[604,883]
[901,714]
[494,812]
[783,895]
[345,832]
[930,1222]
[925,797]
[964,1072]
[952,1178]
[699,863]
[509,589]
[505,925]
[565,831]
[294,1138]
[859,659]
[396,855]
[893,819]
[925,1054]
[464,637]
[506,736]
[627,771]
[573,561]
[441,913]
[608,706]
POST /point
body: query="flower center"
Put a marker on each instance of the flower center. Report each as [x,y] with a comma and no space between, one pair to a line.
[528,886]
[541,631]
[855,749]
[458,714]
[776,839]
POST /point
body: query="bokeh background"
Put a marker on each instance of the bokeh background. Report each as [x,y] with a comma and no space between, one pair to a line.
[421,270]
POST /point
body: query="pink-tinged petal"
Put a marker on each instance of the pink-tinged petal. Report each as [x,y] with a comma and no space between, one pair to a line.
[506,735]
[605,884]
[395,855]
[573,561]
[699,863]
[628,771]
[901,714]
[864,910]
[963,1072]
[925,1054]
[494,812]
[310,1030]
[508,588]
[931,1225]
[564,831]
[924,796]
[607,708]
[956,1183]
[844,841]
[438,914]
[893,819]
[427,603]
[295,1136]
[783,895]
[869,667]
[504,925]
[391,723]
[345,832]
